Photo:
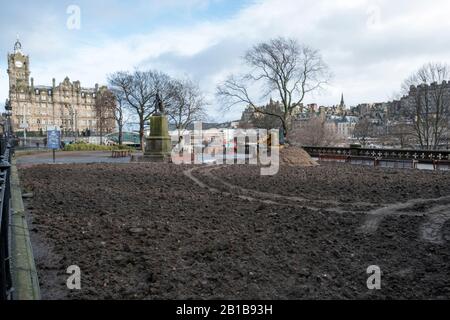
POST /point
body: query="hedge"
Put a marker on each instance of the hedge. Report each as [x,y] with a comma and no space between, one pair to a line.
[83,146]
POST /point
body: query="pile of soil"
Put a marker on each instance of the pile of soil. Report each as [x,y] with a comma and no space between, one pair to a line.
[147,231]
[296,156]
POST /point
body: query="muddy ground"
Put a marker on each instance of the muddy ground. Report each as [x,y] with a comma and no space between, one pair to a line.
[156,231]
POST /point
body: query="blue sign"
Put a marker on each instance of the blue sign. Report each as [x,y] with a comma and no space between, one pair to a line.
[53,139]
[281,136]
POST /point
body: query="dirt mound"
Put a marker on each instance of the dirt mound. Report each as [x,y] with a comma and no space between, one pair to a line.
[296,156]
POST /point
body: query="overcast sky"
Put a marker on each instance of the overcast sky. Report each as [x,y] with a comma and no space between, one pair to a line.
[370,46]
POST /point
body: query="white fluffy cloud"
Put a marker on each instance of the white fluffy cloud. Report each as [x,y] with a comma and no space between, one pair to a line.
[370,46]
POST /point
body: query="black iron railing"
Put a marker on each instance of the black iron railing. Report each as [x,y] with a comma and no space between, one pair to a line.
[5,218]
[424,156]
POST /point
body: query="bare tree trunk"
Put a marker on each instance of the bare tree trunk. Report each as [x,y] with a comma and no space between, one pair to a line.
[101,131]
[142,132]
[120,134]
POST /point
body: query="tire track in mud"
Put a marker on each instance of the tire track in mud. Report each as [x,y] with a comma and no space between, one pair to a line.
[188,173]
[266,197]
[432,230]
[436,210]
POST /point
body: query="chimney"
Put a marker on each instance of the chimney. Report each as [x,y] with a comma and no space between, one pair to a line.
[54,82]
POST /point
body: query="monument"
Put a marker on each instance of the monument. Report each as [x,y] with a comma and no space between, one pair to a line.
[159,146]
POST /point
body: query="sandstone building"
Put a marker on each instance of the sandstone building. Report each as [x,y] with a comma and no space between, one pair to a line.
[68,106]
[434,97]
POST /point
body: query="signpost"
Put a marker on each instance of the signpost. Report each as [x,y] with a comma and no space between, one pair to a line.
[53,141]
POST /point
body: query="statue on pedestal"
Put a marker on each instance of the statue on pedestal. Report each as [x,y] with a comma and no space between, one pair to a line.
[159,145]
[159,104]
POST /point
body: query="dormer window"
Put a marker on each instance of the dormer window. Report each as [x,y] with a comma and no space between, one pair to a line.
[37,91]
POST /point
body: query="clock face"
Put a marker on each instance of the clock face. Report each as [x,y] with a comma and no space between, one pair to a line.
[19,64]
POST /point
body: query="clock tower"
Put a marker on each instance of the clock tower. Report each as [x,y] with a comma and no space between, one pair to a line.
[68,106]
[18,70]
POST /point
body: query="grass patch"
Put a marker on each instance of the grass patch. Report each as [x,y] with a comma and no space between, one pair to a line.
[21,153]
[83,146]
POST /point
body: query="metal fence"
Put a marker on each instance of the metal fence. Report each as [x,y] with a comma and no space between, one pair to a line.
[395,158]
[5,217]
[394,154]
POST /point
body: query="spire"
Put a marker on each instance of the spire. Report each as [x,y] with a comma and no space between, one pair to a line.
[342,100]
[18,46]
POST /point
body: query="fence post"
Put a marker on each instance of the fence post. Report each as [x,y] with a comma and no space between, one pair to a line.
[376,162]
[5,266]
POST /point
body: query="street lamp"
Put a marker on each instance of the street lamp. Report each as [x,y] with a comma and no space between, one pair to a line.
[24,124]
[8,115]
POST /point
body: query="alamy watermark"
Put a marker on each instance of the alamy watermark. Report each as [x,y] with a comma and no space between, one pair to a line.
[74,19]
[373,17]
[374,280]
[74,280]
[229,147]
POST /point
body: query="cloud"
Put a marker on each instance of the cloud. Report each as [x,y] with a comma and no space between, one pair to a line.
[371,46]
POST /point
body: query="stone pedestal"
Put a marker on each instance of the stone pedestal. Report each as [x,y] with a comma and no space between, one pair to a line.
[159,146]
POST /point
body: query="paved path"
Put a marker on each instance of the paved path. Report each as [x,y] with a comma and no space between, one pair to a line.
[70,157]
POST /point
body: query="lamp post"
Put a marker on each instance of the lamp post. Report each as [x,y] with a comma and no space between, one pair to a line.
[8,115]
[24,125]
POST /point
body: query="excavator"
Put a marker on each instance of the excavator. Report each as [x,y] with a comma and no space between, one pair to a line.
[267,140]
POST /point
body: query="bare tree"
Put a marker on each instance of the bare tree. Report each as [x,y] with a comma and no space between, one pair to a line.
[139,90]
[104,111]
[119,113]
[137,93]
[364,129]
[430,103]
[282,67]
[314,132]
[186,104]
[403,133]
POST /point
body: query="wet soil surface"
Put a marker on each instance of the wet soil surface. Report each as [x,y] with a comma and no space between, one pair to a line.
[158,231]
